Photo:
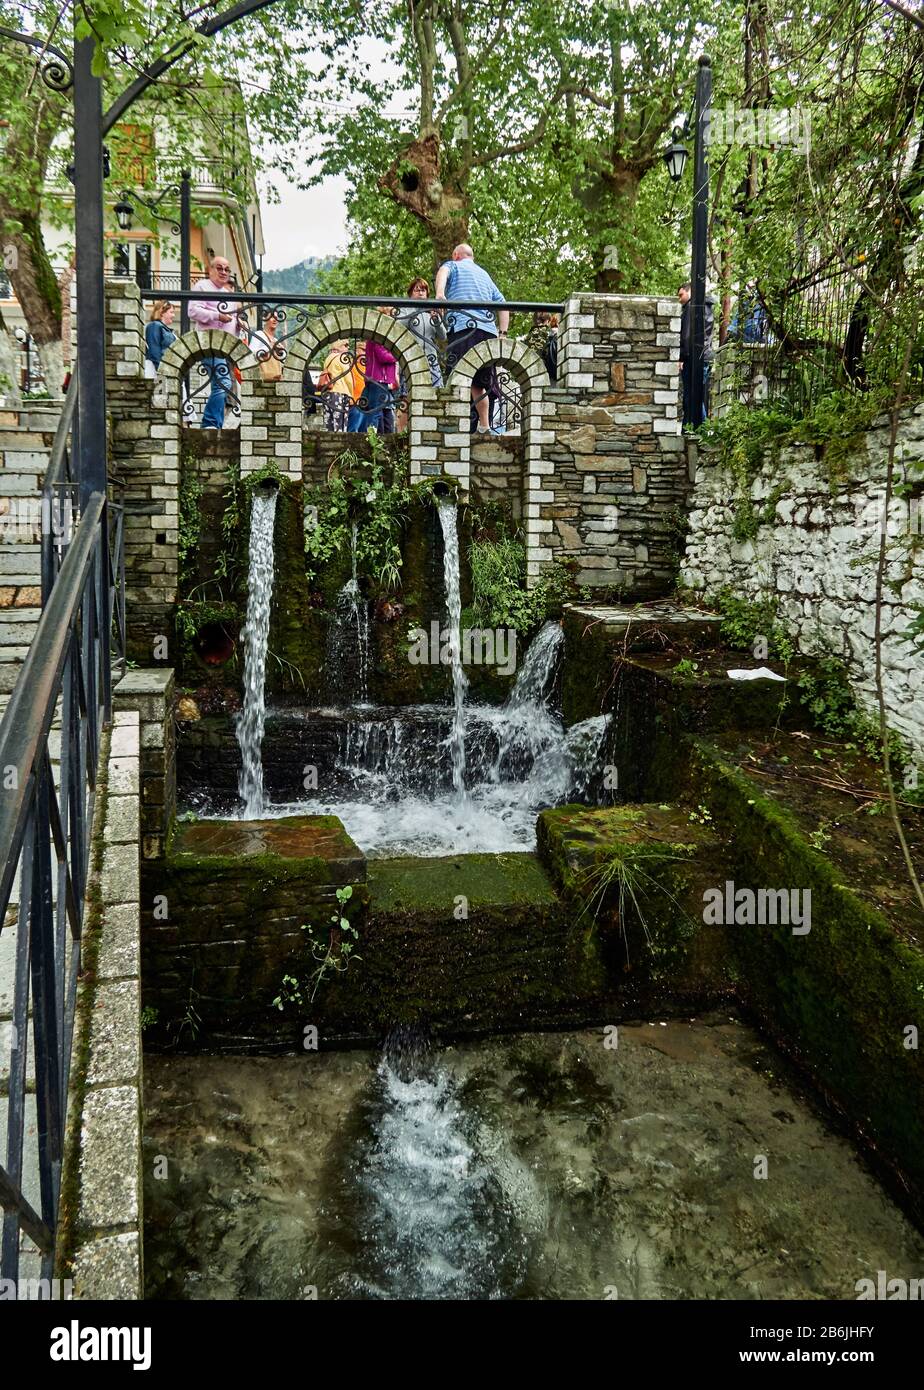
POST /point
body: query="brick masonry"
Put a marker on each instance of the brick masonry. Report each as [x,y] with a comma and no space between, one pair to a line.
[601,467]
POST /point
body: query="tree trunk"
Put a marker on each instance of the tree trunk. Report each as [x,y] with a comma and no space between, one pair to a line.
[32,128]
[414,181]
[9,369]
[608,198]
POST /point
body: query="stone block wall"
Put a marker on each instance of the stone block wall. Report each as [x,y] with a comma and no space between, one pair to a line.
[815,552]
[602,473]
[146,459]
[149,694]
[617,478]
[103,1218]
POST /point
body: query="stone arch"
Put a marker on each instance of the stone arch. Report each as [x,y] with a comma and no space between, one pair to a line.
[527,368]
[189,348]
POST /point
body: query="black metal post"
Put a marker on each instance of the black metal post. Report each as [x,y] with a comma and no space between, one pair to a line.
[185,267]
[91,327]
[693,414]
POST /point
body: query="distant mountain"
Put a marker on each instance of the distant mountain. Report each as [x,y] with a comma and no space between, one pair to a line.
[297,279]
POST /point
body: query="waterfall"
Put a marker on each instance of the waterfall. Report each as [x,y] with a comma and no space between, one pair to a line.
[435,1222]
[448,515]
[259,597]
[537,672]
[348,641]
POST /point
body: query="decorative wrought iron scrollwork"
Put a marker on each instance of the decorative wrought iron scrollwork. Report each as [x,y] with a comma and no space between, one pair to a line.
[55,68]
[217,378]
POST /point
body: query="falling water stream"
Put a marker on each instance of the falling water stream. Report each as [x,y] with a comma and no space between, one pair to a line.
[348,640]
[250,723]
[448,520]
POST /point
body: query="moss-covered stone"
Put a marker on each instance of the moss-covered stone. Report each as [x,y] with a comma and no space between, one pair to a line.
[839,999]
[635,877]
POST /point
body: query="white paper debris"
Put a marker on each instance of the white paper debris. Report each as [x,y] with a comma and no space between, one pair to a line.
[760,673]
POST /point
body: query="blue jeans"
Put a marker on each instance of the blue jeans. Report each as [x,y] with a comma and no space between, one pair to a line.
[377,410]
[213,416]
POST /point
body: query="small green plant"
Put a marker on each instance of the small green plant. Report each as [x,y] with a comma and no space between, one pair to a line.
[686,669]
[819,837]
[701,815]
[331,948]
[753,626]
[149,1016]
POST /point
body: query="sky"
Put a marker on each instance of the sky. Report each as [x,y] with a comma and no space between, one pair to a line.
[313,222]
[306,222]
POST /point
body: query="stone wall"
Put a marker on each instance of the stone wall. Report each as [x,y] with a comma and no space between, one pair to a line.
[150,695]
[599,468]
[815,551]
[102,1184]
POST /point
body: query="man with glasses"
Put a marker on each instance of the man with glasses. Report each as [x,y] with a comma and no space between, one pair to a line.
[216,313]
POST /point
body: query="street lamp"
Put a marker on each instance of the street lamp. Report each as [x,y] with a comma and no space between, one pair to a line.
[123,211]
[676,155]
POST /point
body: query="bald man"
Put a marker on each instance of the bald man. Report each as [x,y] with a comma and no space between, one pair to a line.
[463,279]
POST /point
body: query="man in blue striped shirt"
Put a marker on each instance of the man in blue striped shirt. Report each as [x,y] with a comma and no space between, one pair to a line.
[463,279]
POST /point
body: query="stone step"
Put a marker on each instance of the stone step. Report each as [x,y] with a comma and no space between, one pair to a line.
[25,439]
[16,483]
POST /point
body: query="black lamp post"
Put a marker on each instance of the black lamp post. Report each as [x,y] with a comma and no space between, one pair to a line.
[675,157]
[124,210]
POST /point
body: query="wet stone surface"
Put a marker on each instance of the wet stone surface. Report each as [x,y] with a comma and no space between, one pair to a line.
[533,1166]
[290,837]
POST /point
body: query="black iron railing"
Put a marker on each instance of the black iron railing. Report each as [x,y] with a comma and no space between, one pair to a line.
[45,831]
[350,392]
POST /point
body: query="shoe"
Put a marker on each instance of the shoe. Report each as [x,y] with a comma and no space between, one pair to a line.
[488,429]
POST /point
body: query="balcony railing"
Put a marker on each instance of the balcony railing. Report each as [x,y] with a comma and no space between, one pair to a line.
[445,330]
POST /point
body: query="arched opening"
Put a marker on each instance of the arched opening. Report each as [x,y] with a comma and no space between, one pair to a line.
[210,393]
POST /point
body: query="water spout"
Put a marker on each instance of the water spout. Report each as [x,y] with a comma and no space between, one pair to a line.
[448,522]
[259,598]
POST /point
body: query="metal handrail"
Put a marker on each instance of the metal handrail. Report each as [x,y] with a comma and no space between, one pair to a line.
[45,838]
[59,460]
[355,301]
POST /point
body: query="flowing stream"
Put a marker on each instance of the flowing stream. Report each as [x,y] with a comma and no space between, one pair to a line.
[448,520]
[538,1166]
[348,641]
[251,720]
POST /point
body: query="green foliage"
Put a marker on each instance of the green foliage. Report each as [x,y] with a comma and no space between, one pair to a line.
[194,614]
[190,524]
[826,696]
[745,621]
[373,494]
[686,669]
[230,524]
[331,948]
[500,597]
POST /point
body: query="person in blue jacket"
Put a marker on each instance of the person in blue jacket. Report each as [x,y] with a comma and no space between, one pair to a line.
[158,335]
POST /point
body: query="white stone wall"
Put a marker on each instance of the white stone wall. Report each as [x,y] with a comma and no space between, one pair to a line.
[816,552]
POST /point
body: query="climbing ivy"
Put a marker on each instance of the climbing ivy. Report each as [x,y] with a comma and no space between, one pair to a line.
[190,523]
[374,494]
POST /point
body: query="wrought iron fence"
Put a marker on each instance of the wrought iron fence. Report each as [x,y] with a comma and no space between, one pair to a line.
[821,332]
[45,829]
[356,386]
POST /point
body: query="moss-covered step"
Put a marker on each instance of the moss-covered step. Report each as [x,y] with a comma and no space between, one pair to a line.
[845,999]
[475,943]
[595,634]
[658,698]
[634,877]
[223,919]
